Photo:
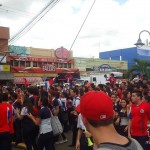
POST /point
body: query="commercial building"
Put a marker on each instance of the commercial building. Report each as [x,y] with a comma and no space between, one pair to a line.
[5,71]
[127,54]
[95,65]
[36,64]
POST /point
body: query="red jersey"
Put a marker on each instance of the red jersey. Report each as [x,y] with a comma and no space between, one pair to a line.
[11,127]
[4,118]
[140,114]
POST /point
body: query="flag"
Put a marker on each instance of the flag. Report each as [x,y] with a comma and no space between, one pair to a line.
[47,85]
[51,81]
[26,82]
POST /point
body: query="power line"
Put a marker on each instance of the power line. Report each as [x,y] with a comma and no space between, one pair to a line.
[34,21]
[14,12]
[17,10]
[83,24]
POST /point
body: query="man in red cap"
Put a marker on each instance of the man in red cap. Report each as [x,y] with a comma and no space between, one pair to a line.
[97,112]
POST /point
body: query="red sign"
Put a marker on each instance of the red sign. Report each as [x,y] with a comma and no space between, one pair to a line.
[62,53]
[48,68]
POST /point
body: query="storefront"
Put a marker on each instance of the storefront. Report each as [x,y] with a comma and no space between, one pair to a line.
[6,77]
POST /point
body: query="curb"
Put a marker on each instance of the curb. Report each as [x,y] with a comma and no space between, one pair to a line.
[20,145]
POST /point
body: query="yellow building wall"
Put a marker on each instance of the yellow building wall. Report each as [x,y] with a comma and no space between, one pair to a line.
[83,63]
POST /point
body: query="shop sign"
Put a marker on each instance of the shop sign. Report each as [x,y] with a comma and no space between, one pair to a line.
[5,68]
[62,53]
[48,68]
[105,67]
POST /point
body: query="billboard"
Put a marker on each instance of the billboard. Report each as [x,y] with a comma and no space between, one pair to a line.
[5,68]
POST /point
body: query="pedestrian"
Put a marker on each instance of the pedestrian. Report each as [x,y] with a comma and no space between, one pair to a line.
[45,139]
[138,119]
[5,138]
[29,129]
[97,114]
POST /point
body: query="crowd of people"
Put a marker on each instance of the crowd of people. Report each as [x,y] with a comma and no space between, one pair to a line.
[112,115]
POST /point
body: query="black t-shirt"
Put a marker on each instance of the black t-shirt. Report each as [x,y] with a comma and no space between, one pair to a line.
[55,102]
[44,113]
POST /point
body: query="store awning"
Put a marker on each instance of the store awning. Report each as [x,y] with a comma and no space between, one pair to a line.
[6,76]
[30,80]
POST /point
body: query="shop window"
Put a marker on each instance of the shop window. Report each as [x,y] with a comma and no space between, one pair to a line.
[69,65]
[16,63]
[60,65]
[11,63]
[35,64]
[22,63]
[27,64]
[40,64]
[56,65]
[65,65]
[44,63]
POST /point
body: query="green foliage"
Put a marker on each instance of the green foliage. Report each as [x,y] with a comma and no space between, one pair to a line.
[141,65]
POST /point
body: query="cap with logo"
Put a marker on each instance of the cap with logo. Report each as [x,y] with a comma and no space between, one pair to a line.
[96,105]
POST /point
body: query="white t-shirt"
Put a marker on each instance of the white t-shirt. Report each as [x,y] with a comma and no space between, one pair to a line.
[80,124]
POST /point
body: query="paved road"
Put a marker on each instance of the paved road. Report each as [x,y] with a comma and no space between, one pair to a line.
[63,146]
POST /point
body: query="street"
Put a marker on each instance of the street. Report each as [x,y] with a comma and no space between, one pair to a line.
[63,146]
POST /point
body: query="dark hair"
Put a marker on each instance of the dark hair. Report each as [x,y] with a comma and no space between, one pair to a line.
[138,93]
[30,90]
[5,97]
[101,123]
[14,95]
[44,101]
[75,90]
[28,104]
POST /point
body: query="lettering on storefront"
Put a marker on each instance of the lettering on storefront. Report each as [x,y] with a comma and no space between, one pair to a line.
[105,67]
[48,68]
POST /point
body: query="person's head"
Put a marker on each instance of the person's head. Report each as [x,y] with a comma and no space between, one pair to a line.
[74,92]
[4,97]
[28,104]
[136,96]
[96,108]
[113,97]
[123,103]
[43,101]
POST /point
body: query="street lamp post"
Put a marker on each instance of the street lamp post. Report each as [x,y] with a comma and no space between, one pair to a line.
[139,42]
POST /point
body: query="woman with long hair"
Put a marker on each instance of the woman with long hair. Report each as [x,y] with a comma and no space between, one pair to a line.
[30,130]
[43,120]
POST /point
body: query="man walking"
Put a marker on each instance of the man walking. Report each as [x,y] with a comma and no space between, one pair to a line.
[97,113]
[138,120]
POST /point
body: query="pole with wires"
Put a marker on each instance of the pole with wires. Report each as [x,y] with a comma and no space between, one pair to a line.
[34,21]
[82,24]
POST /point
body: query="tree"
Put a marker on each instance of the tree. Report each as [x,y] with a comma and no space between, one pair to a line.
[142,66]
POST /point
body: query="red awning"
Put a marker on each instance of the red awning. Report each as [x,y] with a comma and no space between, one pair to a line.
[30,80]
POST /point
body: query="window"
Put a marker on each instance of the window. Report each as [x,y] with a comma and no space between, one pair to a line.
[35,64]
[16,63]
[40,64]
[22,63]
[44,63]
[65,65]
[60,65]
[56,65]
[69,65]
[27,64]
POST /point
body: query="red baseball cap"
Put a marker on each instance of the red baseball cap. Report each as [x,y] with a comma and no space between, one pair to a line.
[96,106]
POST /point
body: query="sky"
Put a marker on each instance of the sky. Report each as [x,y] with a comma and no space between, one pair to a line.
[110,25]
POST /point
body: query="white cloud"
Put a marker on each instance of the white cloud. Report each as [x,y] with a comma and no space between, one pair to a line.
[109,25]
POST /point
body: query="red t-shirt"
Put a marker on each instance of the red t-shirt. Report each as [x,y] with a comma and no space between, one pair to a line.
[11,126]
[140,115]
[4,118]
